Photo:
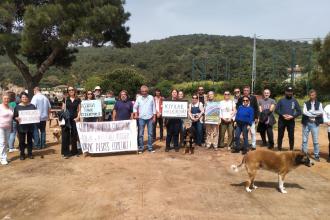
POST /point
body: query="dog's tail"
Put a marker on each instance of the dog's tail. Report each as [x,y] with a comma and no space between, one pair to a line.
[237,168]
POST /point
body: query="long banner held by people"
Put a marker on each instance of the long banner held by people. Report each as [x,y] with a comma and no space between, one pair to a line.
[29,116]
[212,113]
[108,137]
[91,108]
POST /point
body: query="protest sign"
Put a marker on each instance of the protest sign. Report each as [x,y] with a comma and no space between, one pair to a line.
[109,104]
[175,109]
[29,116]
[91,108]
[212,113]
[108,137]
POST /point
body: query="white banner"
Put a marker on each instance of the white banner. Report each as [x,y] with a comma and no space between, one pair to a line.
[108,137]
[91,108]
[175,109]
[29,116]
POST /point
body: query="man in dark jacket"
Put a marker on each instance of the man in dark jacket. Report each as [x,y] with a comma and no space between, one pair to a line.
[311,119]
[253,104]
[288,109]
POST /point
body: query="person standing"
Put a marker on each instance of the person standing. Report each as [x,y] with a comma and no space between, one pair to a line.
[13,132]
[254,104]
[109,104]
[42,103]
[212,130]
[6,116]
[237,95]
[72,104]
[181,97]
[311,119]
[244,120]
[89,95]
[159,119]
[326,120]
[145,112]
[123,109]
[266,119]
[25,131]
[227,115]
[196,112]
[173,126]
[288,109]
[98,96]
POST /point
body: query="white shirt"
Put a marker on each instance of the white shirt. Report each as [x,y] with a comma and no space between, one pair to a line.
[326,115]
[145,107]
[227,109]
[41,102]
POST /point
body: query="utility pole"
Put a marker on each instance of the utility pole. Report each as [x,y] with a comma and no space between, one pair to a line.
[293,64]
[254,65]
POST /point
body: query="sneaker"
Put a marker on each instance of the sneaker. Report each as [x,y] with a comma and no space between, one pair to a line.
[140,152]
[4,162]
[317,158]
[152,151]
[12,150]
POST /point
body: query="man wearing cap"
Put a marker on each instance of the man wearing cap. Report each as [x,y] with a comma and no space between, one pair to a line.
[98,96]
[288,109]
[311,119]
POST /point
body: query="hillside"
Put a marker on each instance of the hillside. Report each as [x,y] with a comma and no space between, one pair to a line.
[221,57]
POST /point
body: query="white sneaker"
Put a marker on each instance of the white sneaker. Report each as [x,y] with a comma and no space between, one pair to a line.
[12,150]
[4,162]
[152,151]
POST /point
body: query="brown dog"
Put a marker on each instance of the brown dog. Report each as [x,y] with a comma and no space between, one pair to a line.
[279,162]
[57,135]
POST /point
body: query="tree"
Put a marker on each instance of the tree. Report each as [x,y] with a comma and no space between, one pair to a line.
[321,74]
[123,79]
[42,32]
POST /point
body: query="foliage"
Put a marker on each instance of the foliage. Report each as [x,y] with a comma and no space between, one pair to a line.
[39,32]
[123,79]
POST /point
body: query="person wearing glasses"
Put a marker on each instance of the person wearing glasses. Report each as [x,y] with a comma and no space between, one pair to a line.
[244,120]
[196,112]
[237,94]
[266,119]
[123,109]
[227,115]
[69,132]
[255,106]
[89,95]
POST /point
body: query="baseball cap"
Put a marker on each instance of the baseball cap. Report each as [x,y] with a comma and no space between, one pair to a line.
[289,89]
[97,88]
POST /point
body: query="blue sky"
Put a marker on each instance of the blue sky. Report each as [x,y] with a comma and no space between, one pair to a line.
[281,19]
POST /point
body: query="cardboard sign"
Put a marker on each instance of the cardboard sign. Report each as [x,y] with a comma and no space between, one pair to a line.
[91,108]
[29,116]
[175,109]
[108,137]
[212,113]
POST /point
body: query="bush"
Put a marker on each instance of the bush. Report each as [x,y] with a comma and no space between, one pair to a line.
[123,79]
[92,82]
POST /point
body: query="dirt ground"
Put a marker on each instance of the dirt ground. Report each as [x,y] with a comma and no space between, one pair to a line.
[158,186]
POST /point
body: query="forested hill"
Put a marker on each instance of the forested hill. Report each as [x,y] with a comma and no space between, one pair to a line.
[221,57]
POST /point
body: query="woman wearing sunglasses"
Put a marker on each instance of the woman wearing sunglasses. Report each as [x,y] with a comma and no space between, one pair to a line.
[89,95]
[70,133]
[244,120]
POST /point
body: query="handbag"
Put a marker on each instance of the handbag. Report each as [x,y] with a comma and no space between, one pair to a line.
[64,115]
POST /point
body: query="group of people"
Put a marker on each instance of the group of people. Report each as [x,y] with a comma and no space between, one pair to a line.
[239,114]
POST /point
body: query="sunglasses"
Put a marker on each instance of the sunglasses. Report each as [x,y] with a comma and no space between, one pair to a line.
[226,94]
[246,100]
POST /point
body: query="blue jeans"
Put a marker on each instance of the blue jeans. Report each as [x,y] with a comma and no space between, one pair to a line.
[240,127]
[314,129]
[40,139]
[199,131]
[142,123]
[12,135]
